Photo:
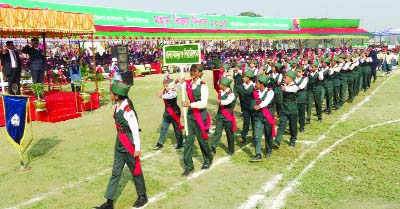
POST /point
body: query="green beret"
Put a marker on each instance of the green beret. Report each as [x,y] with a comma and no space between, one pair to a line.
[263,79]
[316,63]
[342,56]
[327,61]
[120,88]
[278,66]
[197,66]
[295,61]
[265,68]
[336,59]
[239,64]
[225,81]
[227,66]
[291,74]
[250,74]
[300,69]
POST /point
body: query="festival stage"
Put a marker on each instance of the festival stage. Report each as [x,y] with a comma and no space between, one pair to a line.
[60,106]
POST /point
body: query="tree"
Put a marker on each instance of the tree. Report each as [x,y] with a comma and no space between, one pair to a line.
[250,14]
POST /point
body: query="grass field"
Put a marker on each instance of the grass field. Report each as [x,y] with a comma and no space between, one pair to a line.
[348,161]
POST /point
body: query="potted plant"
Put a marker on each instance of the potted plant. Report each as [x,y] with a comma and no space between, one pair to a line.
[101,91]
[84,96]
[38,89]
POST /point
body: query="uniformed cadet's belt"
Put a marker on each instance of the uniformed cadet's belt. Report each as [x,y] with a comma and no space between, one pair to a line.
[289,100]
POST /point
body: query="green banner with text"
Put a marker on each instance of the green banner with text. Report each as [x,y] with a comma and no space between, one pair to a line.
[182,54]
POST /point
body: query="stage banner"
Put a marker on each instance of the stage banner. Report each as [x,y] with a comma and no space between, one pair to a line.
[15,114]
[182,54]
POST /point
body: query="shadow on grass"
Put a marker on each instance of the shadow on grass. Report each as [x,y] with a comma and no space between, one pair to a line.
[43,147]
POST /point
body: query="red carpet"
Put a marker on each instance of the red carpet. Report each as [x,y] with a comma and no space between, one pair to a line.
[60,106]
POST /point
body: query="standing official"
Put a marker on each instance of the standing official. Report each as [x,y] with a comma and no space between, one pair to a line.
[11,66]
[36,60]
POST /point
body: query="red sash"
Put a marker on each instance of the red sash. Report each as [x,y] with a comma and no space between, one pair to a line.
[173,114]
[197,114]
[229,116]
[267,114]
[126,143]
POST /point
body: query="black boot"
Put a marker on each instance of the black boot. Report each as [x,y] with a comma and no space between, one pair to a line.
[141,201]
[107,205]
[257,158]
[213,151]
[158,146]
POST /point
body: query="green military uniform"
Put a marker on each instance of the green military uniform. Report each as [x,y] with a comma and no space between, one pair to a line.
[336,83]
[314,92]
[301,98]
[356,76]
[288,113]
[238,87]
[248,112]
[122,114]
[195,130]
[227,98]
[172,115]
[261,122]
[343,81]
[276,80]
[328,86]
[365,68]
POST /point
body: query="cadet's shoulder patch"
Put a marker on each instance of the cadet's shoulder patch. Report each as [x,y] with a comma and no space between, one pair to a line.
[127,108]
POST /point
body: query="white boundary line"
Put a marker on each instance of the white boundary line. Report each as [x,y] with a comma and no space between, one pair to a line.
[72,185]
[195,175]
[254,199]
[279,201]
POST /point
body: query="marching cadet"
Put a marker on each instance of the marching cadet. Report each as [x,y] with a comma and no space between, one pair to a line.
[172,115]
[248,115]
[364,69]
[127,147]
[328,84]
[293,65]
[348,71]
[301,97]
[198,119]
[314,90]
[336,82]
[276,82]
[225,118]
[356,75]
[344,65]
[238,83]
[264,117]
[289,110]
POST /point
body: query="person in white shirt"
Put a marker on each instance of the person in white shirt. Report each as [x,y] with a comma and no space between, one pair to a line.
[264,118]
[301,97]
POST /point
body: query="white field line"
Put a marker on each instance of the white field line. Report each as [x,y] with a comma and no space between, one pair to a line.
[252,200]
[195,175]
[72,185]
[279,201]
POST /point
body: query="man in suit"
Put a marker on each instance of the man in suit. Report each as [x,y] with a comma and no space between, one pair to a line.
[37,60]
[11,66]
[375,62]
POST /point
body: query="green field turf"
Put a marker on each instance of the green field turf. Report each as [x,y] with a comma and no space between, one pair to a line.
[71,161]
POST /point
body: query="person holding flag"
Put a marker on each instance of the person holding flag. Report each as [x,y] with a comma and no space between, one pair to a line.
[127,147]
[264,117]
[198,119]
[172,114]
[225,118]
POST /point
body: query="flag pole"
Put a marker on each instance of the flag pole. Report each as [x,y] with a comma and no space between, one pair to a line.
[183,100]
[24,167]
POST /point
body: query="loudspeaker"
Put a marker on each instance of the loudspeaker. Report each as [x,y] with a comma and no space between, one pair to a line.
[121,53]
[127,77]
